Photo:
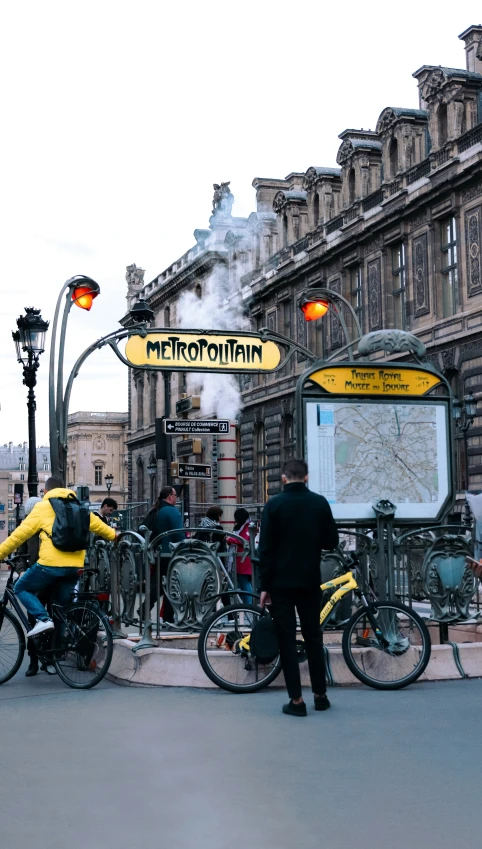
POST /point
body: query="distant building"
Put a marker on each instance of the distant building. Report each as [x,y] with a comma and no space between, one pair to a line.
[14,469]
[96,448]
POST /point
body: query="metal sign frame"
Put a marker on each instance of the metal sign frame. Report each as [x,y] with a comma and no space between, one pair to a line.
[306,391]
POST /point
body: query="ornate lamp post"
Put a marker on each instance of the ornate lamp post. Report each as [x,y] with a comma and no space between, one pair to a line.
[30,343]
[81,291]
[152,472]
[315,303]
[464,415]
[108,482]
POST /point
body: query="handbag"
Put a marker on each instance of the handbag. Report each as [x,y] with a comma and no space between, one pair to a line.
[263,644]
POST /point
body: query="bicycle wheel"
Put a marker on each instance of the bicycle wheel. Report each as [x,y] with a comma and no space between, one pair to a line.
[225,661]
[12,645]
[82,654]
[389,652]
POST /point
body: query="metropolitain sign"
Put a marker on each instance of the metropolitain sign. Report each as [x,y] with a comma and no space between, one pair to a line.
[202,351]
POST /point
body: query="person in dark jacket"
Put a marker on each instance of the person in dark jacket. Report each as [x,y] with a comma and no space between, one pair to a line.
[296,526]
[167,518]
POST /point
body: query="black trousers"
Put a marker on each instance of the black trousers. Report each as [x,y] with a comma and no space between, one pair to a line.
[283,609]
[156,592]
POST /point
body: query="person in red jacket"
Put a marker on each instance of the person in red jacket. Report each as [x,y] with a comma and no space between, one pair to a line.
[244,568]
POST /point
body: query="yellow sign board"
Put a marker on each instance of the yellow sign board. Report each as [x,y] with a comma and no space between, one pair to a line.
[371,379]
[202,352]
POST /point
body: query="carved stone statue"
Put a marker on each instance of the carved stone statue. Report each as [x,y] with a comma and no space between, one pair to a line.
[223,200]
[134,278]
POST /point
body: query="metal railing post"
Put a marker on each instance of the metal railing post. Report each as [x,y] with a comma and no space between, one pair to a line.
[146,641]
[115,593]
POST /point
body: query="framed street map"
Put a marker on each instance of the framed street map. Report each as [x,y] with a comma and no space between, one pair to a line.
[361,451]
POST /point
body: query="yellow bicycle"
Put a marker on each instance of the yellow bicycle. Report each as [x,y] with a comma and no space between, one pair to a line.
[385,644]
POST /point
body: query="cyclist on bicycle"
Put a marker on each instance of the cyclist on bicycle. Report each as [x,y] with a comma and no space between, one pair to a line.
[54,567]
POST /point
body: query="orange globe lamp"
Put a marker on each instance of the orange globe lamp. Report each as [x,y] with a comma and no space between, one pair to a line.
[314,309]
[83,296]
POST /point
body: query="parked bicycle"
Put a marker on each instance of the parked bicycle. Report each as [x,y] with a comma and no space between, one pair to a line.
[79,647]
[385,644]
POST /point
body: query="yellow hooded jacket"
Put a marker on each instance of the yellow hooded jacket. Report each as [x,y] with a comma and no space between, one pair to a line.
[42,519]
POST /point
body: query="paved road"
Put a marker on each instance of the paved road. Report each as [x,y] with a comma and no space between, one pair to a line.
[123,768]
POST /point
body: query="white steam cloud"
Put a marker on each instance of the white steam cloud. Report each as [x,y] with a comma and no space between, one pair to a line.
[220,393]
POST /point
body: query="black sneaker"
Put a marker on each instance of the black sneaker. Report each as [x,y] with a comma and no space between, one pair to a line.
[322,702]
[32,669]
[295,710]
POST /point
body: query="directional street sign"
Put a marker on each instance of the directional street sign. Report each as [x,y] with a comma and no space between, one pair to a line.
[193,402]
[186,447]
[196,426]
[190,470]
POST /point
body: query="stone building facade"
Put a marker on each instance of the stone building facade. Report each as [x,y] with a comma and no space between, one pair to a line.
[396,228]
[96,447]
[14,469]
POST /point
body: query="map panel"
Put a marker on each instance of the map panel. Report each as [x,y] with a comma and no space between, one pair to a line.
[361,452]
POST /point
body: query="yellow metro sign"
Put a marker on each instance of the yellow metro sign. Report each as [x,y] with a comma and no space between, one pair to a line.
[372,379]
[202,352]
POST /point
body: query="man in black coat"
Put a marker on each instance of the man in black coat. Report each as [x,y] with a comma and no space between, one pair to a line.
[296,526]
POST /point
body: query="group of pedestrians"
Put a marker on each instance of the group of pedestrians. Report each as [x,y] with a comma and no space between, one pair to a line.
[296,526]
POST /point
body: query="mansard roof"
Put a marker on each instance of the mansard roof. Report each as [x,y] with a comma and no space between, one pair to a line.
[285,197]
[351,146]
[391,114]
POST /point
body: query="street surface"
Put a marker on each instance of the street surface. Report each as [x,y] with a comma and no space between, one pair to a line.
[122,768]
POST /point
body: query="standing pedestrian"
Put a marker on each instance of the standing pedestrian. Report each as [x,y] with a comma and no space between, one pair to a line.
[244,568]
[296,526]
[164,516]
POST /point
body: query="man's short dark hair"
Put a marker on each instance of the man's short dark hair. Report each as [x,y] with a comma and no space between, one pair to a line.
[53,483]
[109,502]
[215,513]
[165,492]
[295,470]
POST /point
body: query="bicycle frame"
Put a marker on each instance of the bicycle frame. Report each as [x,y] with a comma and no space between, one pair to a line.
[345,583]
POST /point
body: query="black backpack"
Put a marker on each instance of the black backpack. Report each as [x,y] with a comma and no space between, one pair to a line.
[263,643]
[70,531]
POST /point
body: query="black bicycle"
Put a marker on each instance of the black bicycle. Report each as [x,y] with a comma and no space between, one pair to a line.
[79,647]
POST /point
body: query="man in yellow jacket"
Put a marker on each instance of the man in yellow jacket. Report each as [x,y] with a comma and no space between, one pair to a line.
[55,567]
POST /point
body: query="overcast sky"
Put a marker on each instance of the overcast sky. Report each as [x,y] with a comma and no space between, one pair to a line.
[119,116]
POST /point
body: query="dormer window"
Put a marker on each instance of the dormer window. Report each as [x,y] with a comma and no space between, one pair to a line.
[393,156]
[351,186]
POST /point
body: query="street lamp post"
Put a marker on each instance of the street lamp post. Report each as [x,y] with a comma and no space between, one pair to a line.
[315,303]
[81,291]
[464,416]
[108,482]
[30,343]
[152,472]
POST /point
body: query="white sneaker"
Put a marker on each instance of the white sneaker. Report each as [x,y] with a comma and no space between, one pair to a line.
[50,669]
[41,626]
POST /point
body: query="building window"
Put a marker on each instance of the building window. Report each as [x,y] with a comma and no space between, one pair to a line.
[351,186]
[46,467]
[22,477]
[398,286]
[140,403]
[98,475]
[167,316]
[10,503]
[393,156]
[316,209]
[45,458]
[10,487]
[261,466]
[356,294]
[449,267]
[140,479]
[21,466]
[152,397]
[20,459]
[285,231]
[287,438]
[442,124]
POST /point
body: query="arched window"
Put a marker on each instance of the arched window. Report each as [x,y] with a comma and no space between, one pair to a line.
[287,438]
[351,186]
[316,209]
[285,230]
[140,479]
[393,156]
[261,466]
[442,124]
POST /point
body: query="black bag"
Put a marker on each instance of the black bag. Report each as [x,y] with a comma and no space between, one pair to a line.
[263,644]
[70,531]
[149,521]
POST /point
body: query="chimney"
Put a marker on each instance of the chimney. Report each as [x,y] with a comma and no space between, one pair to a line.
[473,48]
[10,447]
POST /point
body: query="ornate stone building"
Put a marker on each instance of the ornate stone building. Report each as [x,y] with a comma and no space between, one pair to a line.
[14,469]
[396,228]
[96,447]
